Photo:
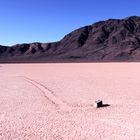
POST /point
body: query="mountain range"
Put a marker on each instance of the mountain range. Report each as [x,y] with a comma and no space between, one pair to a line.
[113,40]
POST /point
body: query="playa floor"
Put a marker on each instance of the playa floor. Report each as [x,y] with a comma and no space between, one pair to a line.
[56,101]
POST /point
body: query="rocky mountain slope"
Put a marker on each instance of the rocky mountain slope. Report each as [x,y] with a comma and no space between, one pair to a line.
[110,40]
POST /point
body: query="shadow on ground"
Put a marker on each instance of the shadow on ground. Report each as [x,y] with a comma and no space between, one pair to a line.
[105,105]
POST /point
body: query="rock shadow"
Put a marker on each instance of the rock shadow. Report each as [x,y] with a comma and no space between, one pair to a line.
[105,105]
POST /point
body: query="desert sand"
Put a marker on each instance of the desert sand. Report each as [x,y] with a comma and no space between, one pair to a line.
[55,101]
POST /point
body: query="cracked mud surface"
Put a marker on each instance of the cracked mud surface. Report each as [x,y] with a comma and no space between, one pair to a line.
[55,101]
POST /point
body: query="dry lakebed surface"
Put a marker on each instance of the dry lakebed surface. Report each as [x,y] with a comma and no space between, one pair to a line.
[56,101]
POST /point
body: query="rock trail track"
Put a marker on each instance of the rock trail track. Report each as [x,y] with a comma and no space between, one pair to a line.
[51,96]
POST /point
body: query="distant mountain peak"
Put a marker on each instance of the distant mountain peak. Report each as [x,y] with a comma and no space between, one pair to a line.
[110,40]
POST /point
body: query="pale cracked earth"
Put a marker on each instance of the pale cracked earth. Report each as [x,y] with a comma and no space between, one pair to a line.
[55,101]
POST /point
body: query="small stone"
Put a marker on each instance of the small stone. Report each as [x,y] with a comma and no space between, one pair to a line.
[98,103]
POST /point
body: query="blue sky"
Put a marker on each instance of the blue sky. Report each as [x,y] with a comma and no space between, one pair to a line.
[23,21]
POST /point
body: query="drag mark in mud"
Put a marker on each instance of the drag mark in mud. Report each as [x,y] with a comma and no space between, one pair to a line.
[53,98]
[48,93]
